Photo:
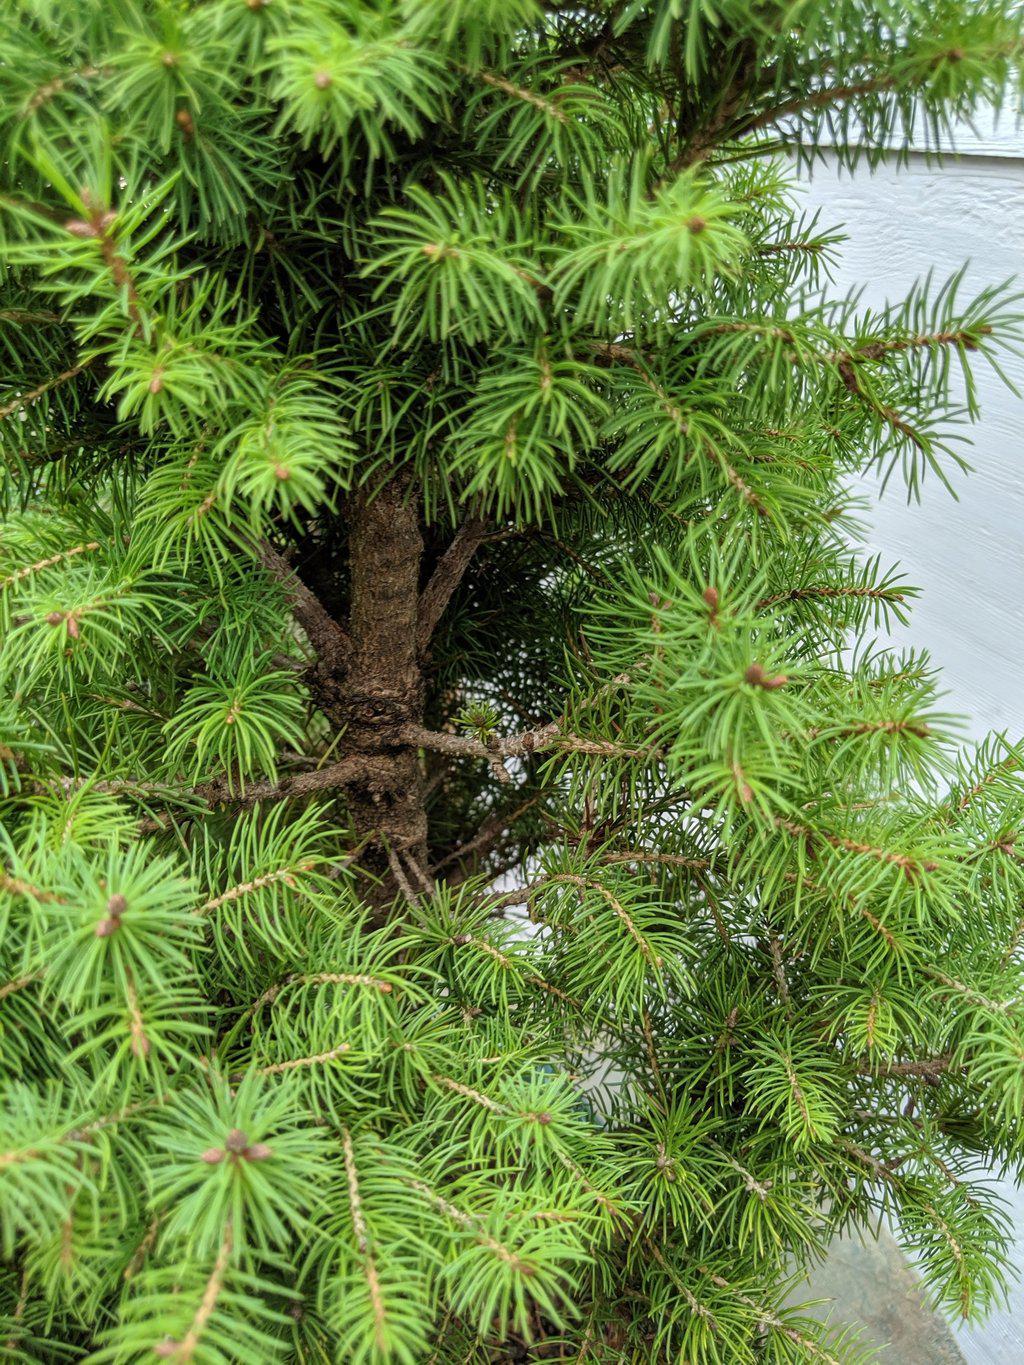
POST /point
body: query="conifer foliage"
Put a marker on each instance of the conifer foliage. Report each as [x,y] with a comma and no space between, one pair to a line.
[471,888]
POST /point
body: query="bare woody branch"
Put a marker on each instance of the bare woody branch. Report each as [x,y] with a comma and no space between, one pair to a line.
[334,775]
[495,750]
[446,578]
[328,639]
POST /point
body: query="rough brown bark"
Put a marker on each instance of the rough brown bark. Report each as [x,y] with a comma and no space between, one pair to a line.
[384,684]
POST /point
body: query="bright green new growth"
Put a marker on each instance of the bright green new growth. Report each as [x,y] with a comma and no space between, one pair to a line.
[471,890]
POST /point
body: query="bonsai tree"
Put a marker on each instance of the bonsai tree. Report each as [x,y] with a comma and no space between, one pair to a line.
[472,890]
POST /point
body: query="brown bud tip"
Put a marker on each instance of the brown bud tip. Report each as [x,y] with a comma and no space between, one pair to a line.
[79,228]
[107,220]
[955,54]
[157,382]
[322,80]
[106,927]
[73,628]
[169,59]
[117,904]
[259,1151]
[697,224]
[256,4]
[166,1349]
[756,677]
[183,118]
[213,1155]
[385,987]
[711,598]
[282,472]
[54,618]
[544,1118]
[236,1141]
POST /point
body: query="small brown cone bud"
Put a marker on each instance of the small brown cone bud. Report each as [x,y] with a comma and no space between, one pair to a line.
[756,677]
[157,382]
[711,598]
[259,1151]
[78,227]
[213,1155]
[282,472]
[544,1118]
[117,904]
[73,628]
[106,927]
[54,618]
[236,1141]
[697,224]
[166,1349]
[322,80]
[107,220]
[169,59]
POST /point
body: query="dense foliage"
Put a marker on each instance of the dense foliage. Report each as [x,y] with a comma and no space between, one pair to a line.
[471,888]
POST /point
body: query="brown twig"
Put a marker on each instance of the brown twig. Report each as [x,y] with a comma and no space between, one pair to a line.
[446,577]
[326,636]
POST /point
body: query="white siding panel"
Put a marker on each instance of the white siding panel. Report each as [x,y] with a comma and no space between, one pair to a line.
[967,556]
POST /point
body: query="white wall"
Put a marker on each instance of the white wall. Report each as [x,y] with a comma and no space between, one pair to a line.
[967,556]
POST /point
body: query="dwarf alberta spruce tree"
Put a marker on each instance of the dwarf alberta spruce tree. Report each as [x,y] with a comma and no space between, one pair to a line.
[471,888]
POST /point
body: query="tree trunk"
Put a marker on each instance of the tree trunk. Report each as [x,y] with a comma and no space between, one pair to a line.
[384,687]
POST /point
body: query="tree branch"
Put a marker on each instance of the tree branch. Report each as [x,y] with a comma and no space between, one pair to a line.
[495,749]
[818,99]
[25,399]
[487,838]
[338,774]
[446,578]
[928,1069]
[330,642]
